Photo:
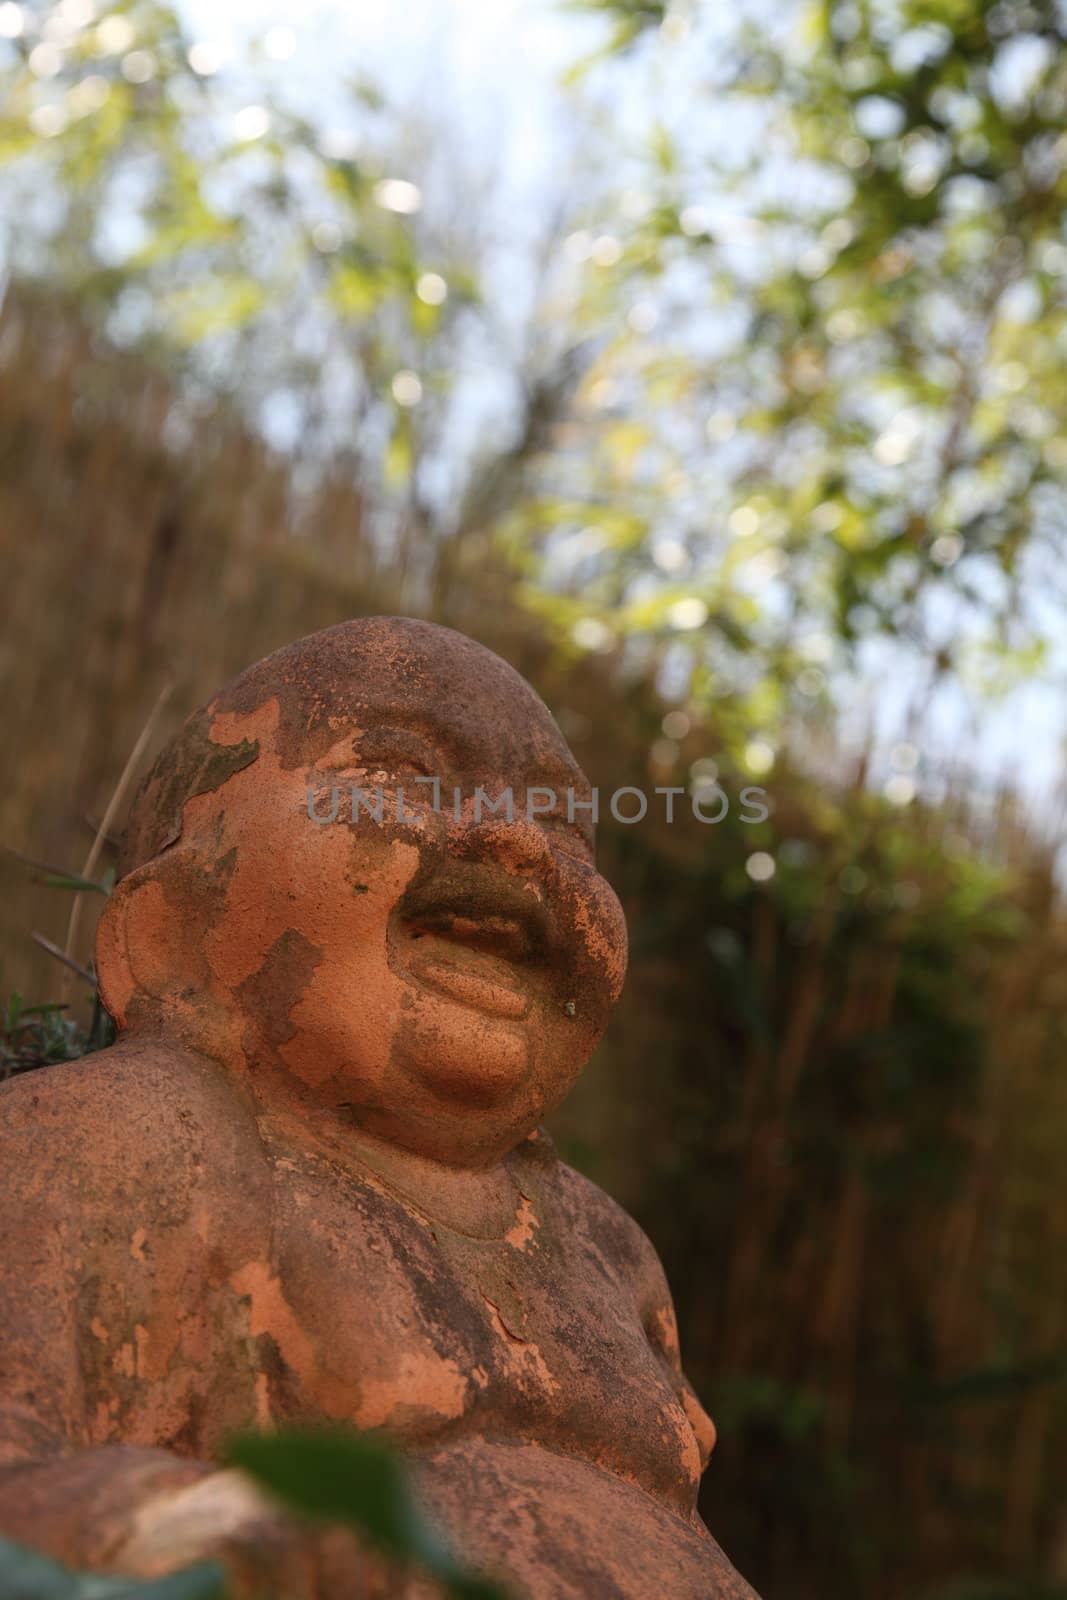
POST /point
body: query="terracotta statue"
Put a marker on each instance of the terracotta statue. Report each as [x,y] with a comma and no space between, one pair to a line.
[308,1182]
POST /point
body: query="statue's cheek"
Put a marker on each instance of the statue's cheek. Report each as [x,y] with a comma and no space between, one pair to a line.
[614,941]
[600,929]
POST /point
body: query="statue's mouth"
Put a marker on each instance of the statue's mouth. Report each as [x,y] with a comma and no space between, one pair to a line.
[479,937]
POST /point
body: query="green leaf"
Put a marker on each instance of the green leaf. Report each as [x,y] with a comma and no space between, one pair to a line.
[73,880]
[342,1477]
[399,457]
[360,1481]
[355,290]
[215,305]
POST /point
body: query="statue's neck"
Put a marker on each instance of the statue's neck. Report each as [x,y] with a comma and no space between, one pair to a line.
[483,1202]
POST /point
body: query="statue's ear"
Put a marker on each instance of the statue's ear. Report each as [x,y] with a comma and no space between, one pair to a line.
[146,953]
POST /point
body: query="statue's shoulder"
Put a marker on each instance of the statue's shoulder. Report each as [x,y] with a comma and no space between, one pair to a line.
[141,1090]
[591,1212]
[139,1116]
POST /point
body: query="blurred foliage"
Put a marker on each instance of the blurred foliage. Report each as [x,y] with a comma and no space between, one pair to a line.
[829,295]
[847,1160]
[361,1482]
[181,197]
[803,388]
[40,1035]
[322,1475]
[34,1036]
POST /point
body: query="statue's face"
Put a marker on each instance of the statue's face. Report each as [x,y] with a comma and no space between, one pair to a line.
[440,975]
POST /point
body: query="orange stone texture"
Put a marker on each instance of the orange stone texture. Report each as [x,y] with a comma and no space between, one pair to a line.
[309,1182]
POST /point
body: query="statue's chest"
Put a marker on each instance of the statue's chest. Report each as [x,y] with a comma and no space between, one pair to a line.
[376,1315]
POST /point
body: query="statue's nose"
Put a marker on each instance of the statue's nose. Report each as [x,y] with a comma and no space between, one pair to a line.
[519,845]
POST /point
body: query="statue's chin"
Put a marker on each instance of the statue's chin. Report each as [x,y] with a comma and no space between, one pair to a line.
[456,1046]
[454,1096]
[455,1081]
[485,1088]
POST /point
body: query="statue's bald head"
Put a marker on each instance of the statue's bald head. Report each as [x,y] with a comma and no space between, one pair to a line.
[358,672]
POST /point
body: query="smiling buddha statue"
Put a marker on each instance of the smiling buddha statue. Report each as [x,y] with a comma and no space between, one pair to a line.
[308,1184]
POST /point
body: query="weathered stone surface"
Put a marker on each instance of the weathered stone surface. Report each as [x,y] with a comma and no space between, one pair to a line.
[308,1183]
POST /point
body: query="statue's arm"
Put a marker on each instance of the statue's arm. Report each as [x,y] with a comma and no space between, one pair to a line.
[626,1244]
[128,1182]
[59,1493]
[661,1328]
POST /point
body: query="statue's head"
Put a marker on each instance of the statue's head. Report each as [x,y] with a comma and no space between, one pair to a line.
[435,968]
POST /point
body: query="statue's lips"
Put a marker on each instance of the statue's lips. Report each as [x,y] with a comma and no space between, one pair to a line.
[473,977]
[485,946]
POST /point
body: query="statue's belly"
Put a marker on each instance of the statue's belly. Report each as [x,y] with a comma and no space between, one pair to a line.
[558,1528]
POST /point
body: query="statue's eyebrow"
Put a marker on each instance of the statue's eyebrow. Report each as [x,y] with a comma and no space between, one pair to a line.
[552,772]
[398,729]
[421,727]
[557,774]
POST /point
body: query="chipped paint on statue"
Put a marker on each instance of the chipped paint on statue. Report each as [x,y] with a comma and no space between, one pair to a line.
[308,1182]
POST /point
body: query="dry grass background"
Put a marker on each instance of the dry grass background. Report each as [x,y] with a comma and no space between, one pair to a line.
[143,545]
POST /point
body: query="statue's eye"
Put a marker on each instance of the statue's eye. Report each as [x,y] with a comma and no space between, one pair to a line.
[389,755]
[404,767]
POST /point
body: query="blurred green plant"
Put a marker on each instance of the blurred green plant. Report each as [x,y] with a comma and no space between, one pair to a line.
[189,204]
[794,380]
[329,1475]
[36,1036]
[856,1116]
[361,1482]
[828,304]
[40,1035]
